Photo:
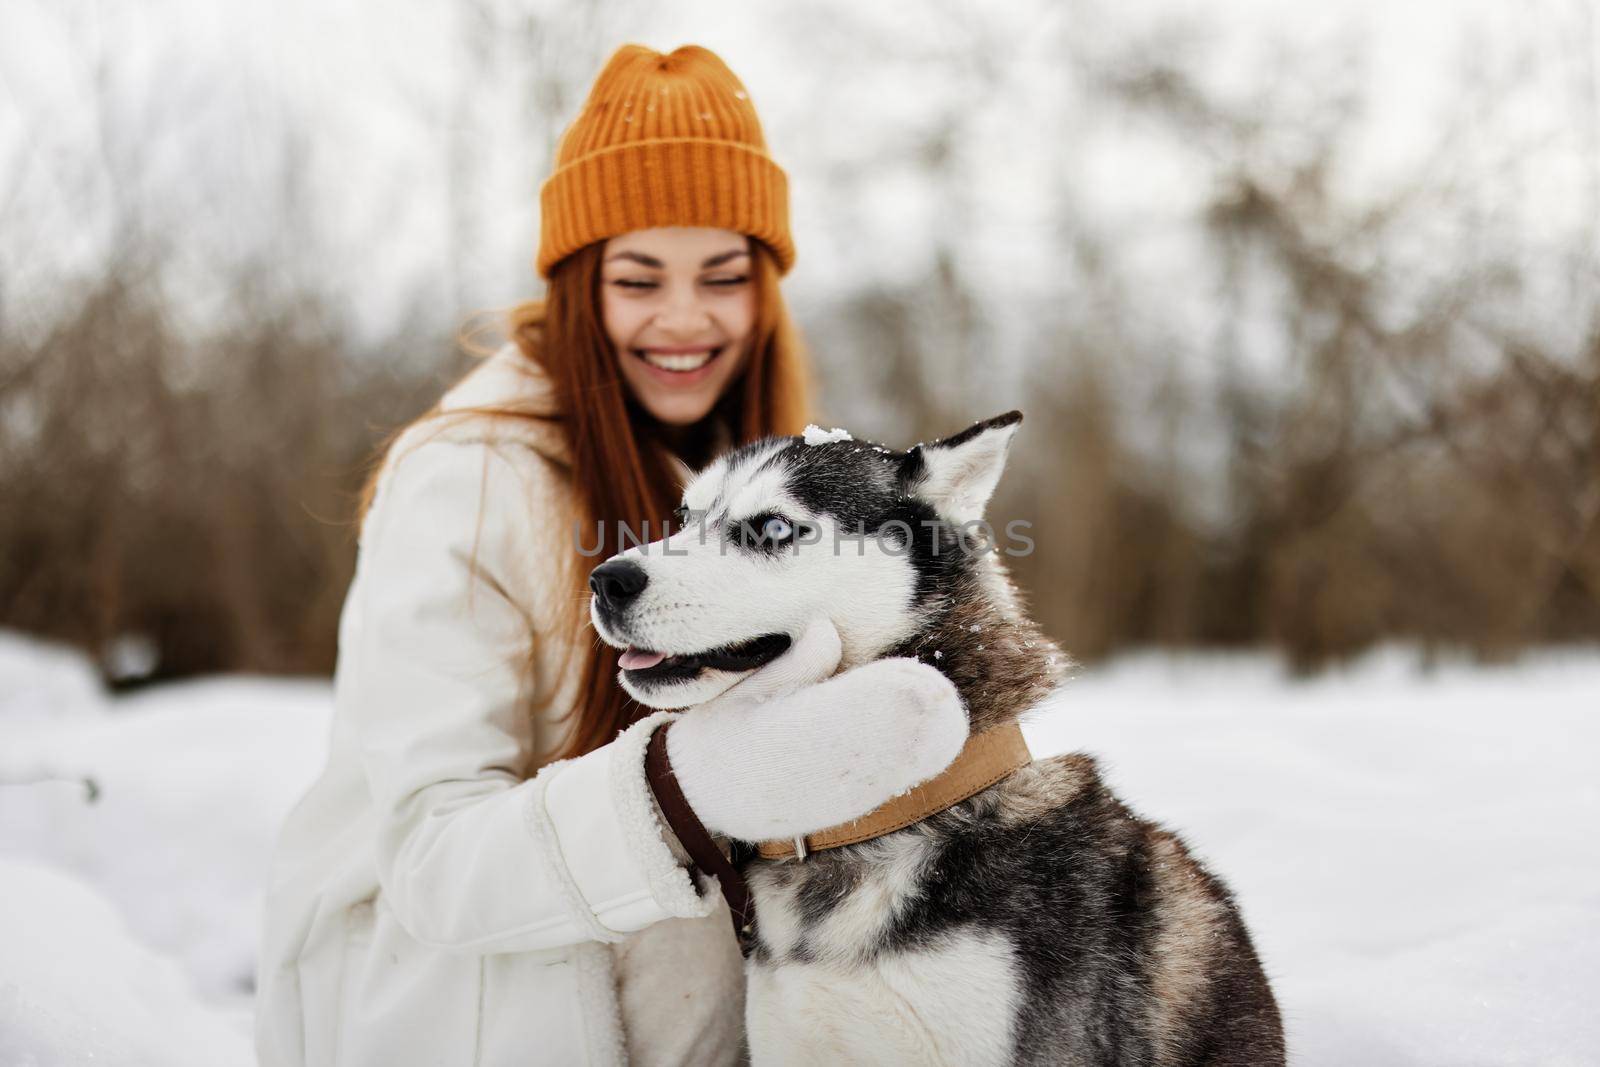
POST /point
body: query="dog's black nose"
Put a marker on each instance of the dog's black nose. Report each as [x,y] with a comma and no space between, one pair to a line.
[616,582]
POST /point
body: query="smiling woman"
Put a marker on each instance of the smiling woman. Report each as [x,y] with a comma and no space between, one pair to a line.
[481,873]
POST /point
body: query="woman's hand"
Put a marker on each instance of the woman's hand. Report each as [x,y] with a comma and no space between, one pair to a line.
[790,750]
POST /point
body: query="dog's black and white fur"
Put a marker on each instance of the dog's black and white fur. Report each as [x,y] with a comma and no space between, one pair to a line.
[1040,921]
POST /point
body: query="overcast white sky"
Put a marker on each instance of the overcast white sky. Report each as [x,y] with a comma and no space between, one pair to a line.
[203,94]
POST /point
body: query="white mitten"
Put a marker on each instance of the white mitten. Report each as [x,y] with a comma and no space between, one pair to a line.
[784,752]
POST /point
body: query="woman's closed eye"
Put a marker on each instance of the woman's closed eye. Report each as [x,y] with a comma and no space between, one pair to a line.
[646,284]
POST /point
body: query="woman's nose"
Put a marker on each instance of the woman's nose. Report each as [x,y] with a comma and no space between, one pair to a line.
[684,315]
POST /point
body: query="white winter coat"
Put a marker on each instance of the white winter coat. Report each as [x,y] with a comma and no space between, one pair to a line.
[429,902]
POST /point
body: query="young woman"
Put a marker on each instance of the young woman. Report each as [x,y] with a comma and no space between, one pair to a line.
[482,874]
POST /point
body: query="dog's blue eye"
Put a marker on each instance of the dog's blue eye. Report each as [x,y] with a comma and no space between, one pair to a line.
[776,529]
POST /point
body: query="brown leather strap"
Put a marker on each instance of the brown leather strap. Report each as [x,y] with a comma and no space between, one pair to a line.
[986,758]
[696,839]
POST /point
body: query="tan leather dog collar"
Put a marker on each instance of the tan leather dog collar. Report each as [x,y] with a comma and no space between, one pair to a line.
[984,760]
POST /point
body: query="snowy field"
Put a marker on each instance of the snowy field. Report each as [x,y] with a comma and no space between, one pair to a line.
[1415,852]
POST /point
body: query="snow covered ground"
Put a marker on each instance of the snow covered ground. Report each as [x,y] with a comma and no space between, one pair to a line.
[1416,856]
[1416,853]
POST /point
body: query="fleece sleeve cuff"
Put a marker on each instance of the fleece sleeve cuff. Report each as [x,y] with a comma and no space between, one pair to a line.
[663,861]
[615,863]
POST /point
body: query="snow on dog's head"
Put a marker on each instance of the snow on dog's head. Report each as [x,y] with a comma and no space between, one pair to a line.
[788,529]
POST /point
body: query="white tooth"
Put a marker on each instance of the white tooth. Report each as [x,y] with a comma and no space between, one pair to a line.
[686,362]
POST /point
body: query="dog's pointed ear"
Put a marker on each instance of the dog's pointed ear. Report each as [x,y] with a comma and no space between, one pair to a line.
[958,475]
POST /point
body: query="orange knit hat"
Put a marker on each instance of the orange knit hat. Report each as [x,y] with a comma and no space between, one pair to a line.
[663,140]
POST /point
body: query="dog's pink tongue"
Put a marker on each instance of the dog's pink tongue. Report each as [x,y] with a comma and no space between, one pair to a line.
[634,660]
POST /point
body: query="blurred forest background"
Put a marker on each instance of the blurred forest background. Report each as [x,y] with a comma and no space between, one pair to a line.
[1301,306]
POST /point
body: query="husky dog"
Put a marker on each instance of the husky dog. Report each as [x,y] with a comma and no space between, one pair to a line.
[1038,921]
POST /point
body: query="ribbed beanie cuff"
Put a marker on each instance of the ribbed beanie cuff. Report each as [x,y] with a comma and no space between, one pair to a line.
[685,182]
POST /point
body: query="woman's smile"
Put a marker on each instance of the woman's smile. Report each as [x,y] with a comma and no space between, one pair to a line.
[679,366]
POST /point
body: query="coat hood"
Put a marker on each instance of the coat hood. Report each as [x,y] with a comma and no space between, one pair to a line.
[511,380]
